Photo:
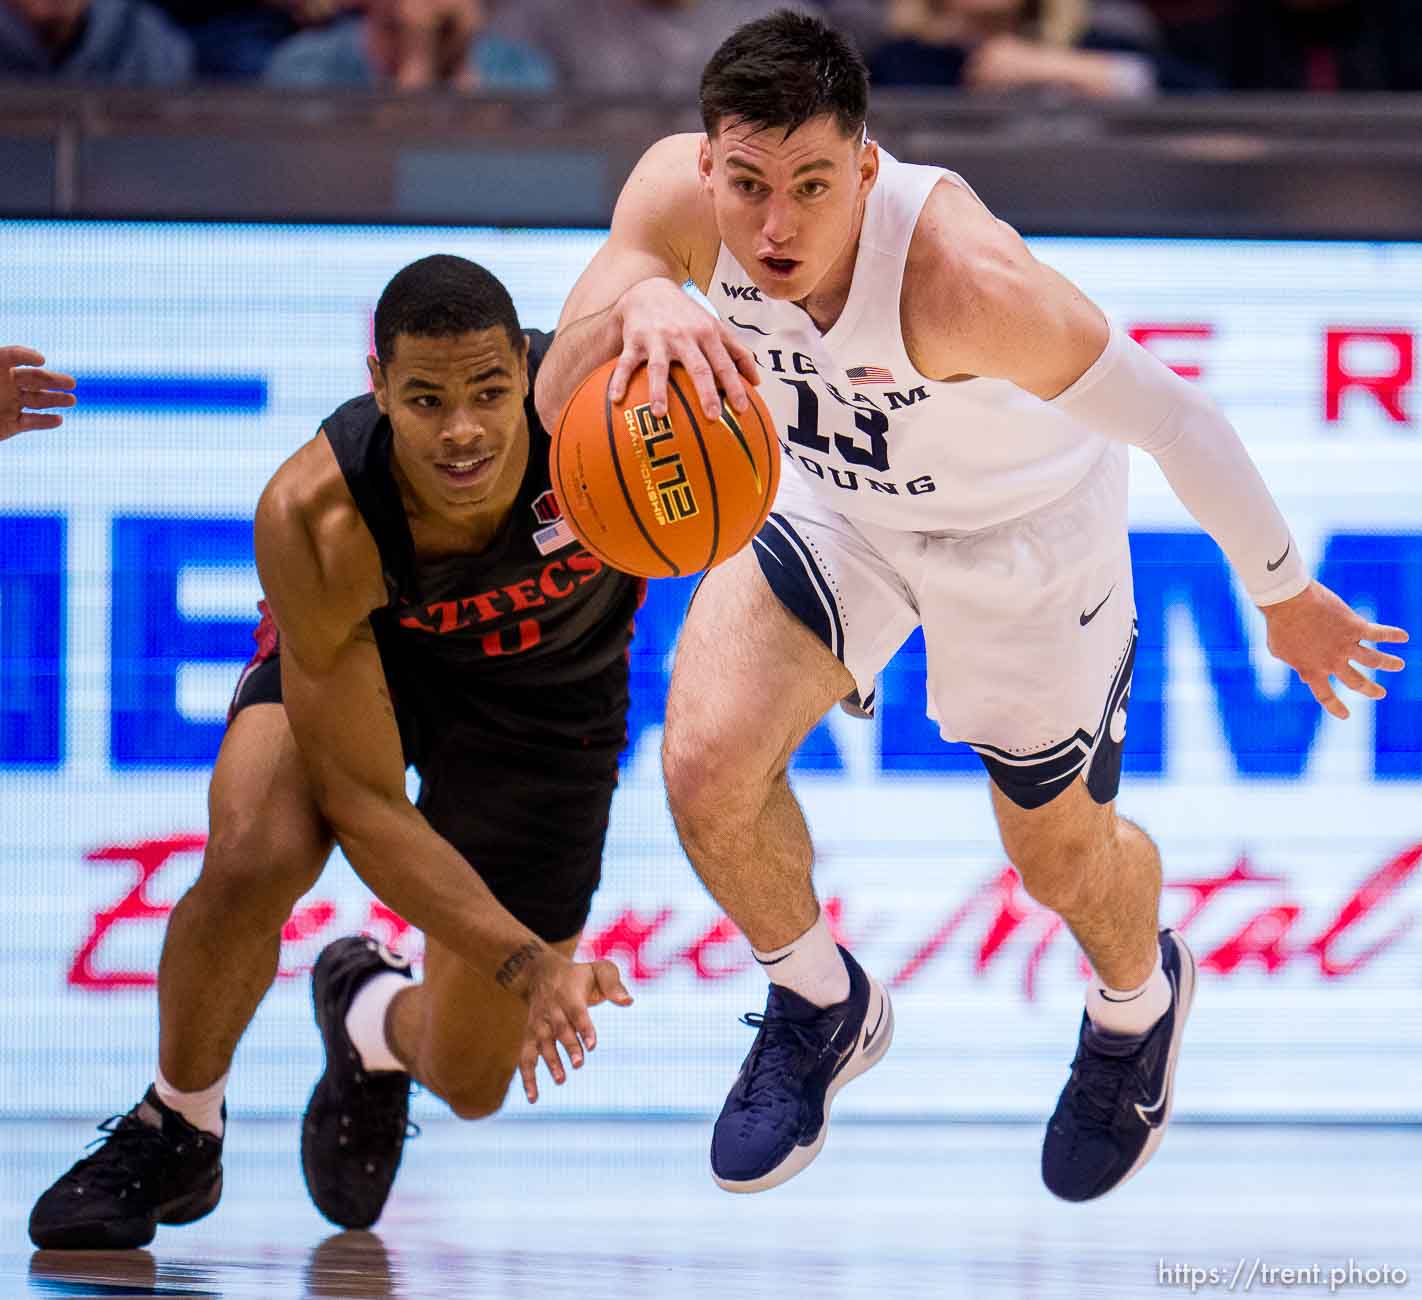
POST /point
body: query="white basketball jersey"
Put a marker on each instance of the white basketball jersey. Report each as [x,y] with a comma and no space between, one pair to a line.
[871,437]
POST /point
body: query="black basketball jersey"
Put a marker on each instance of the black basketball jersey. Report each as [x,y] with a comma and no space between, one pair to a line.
[532,631]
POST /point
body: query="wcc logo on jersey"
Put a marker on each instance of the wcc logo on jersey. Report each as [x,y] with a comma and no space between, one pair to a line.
[554,533]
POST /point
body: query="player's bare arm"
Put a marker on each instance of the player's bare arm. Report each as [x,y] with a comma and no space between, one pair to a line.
[629,299]
[26,390]
[321,573]
[977,303]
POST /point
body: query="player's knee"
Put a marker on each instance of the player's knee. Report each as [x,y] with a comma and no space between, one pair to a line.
[475,1106]
[475,1098]
[254,871]
[1055,871]
[706,777]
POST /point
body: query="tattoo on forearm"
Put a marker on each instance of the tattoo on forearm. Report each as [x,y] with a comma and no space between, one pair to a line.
[517,960]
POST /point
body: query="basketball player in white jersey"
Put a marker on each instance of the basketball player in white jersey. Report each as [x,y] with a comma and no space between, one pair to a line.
[955,419]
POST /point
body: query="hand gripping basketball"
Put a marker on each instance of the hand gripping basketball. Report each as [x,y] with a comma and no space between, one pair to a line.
[662,496]
[662,325]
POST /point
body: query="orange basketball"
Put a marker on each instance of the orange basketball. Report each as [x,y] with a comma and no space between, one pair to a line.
[662,497]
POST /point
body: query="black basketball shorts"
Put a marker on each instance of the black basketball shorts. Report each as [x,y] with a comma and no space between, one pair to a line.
[531,818]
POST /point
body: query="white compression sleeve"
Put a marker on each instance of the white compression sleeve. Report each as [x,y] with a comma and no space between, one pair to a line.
[1130,396]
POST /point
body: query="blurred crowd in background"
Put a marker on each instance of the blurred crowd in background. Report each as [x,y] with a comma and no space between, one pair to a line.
[1121,49]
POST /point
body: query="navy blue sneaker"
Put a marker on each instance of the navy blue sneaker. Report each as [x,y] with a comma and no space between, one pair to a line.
[777,1114]
[1112,1114]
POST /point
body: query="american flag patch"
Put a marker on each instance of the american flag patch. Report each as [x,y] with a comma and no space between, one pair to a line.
[553,538]
[869,375]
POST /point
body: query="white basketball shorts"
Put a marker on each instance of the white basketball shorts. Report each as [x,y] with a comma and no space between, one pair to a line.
[1029,626]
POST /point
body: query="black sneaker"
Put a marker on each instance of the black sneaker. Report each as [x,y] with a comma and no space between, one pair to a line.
[353,1131]
[153,1167]
[1112,1113]
[776,1116]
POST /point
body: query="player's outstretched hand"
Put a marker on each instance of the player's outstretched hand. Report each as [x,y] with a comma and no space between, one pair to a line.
[559,994]
[24,390]
[661,324]
[1319,637]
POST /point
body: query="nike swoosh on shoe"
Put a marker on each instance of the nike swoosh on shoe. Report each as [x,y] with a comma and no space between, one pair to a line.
[870,1033]
[1155,1112]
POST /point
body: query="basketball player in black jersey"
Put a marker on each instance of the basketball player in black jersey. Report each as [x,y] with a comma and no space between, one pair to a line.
[435,611]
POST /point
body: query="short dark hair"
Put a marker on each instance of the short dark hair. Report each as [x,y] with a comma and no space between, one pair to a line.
[783,70]
[439,297]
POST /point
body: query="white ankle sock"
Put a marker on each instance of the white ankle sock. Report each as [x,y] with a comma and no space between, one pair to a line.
[202,1109]
[811,966]
[365,1021]
[1129,1011]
